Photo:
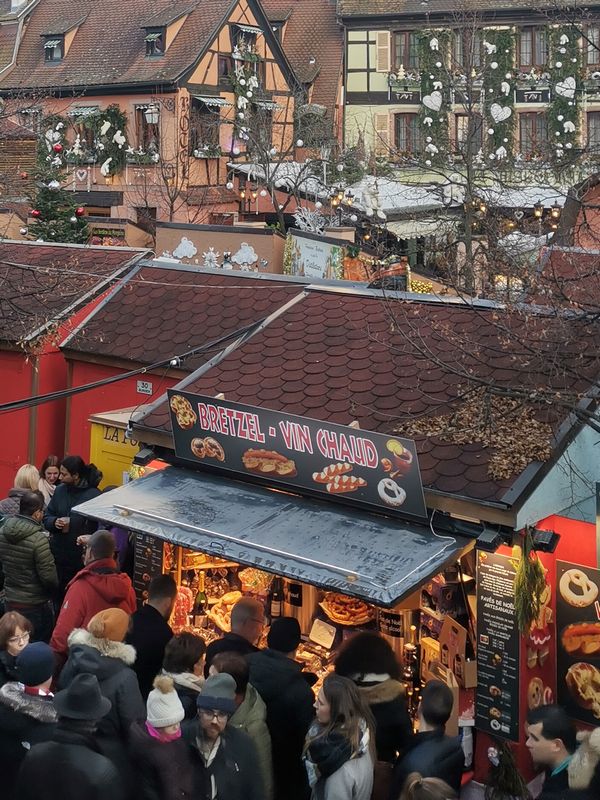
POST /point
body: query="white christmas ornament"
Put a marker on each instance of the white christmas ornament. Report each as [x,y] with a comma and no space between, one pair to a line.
[308,220]
[353,218]
[54,185]
[299,143]
[505,140]
[427,163]
[340,167]
[263,193]
[494,65]
[438,85]
[562,50]
[491,131]
[505,87]
[119,139]
[185,249]
[318,204]
[568,145]
[500,113]
[431,148]
[508,76]
[105,168]
[558,64]
[428,121]
[104,127]
[428,139]
[229,185]
[23,231]
[490,48]
[569,127]
[210,258]
[501,152]
[273,151]
[245,256]
[434,44]
[433,101]
[564,39]
[560,118]
[236,151]
[438,64]
[566,87]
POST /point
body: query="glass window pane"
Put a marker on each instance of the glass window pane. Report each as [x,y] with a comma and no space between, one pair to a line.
[526,133]
[413,51]
[541,48]
[458,49]
[593,45]
[525,48]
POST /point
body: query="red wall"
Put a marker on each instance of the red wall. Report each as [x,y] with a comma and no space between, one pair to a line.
[15,379]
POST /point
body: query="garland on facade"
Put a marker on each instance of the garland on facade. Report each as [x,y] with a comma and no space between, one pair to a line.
[562,114]
[498,92]
[109,147]
[434,50]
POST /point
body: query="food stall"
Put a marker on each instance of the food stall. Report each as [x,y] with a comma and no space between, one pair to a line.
[323,522]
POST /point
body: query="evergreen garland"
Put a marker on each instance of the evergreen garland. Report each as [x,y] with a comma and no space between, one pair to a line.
[562,114]
[498,89]
[109,143]
[434,52]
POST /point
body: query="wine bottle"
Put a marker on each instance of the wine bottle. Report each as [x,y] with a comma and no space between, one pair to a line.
[200,603]
[276,599]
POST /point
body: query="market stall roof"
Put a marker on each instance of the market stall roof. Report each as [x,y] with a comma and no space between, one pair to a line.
[373,557]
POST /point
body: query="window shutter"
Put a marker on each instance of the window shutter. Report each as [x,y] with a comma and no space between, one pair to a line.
[382,135]
[382,46]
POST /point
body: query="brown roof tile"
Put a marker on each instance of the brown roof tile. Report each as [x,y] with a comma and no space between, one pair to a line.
[40,283]
[398,8]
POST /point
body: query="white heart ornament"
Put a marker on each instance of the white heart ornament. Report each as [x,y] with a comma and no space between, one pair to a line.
[519,215]
[433,101]
[500,113]
[566,87]
[81,174]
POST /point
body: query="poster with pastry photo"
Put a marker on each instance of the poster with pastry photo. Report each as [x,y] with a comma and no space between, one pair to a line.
[578,646]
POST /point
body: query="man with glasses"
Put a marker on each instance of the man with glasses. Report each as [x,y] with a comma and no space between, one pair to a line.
[247,625]
[224,758]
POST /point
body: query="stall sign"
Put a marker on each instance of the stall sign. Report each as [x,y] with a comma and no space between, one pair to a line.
[578,646]
[148,563]
[496,706]
[390,623]
[335,461]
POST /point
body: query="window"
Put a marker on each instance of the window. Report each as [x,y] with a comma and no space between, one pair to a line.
[533,133]
[31,118]
[54,48]
[407,133]
[277,28]
[261,126]
[148,134]
[468,141]
[225,69]
[466,49]
[533,47]
[243,37]
[406,52]
[593,131]
[155,42]
[204,126]
[85,133]
[592,45]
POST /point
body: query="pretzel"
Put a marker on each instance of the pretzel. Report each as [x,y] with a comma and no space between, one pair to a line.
[214,449]
[391,494]
[587,589]
[184,413]
[197,448]
[332,471]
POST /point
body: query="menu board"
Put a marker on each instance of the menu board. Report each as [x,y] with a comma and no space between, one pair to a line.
[148,563]
[497,706]
[578,646]
[334,461]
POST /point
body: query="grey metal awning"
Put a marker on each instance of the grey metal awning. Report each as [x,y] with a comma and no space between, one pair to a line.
[211,101]
[373,557]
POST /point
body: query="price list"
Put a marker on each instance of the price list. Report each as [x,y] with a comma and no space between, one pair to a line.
[148,563]
[497,703]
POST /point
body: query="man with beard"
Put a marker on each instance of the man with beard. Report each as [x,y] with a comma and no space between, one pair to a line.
[224,758]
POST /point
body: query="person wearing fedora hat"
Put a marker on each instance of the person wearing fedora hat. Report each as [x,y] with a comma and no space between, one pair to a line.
[161,759]
[70,766]
[224,758]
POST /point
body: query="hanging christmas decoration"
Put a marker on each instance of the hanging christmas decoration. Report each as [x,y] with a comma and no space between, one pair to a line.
[498,92]
[58,148]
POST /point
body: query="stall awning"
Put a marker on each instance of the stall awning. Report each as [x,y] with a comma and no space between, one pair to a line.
[378,559]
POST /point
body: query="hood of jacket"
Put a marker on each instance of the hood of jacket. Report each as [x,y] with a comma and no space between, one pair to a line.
[186,680]
[39,708]
[271,671]
[17,528]
[383,692]
[251,710]
[102,576]
[101,657]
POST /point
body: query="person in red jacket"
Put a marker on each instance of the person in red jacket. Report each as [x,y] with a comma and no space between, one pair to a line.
[98,586]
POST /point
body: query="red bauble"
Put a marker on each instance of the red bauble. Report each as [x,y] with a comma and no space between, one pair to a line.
[58,148]
[79,211]
[35,213]
[23,175]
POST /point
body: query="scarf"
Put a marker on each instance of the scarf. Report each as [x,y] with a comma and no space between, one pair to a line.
[161,735]
[47,489]
[186,679]
[326,754]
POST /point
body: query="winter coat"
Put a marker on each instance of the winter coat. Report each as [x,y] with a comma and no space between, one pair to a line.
[65,549]
[111,663]
[234,770]
[352,780]
[289,701]
[162,770]
[250,717]
[96,587]
[228,643]
[393,728]
[8,667]
[188,686]
[29,569]
[25,720]
[433,755]
[68,767]
[10,505]
[149,634]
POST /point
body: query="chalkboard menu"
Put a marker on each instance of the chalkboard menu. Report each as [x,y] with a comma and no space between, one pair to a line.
[497,704]
[148,563]
[578,646]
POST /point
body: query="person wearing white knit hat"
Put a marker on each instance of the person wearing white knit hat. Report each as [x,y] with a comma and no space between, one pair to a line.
[160,758]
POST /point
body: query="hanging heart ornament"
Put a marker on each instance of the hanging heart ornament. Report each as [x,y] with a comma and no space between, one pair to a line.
[433,101]
[566,87]
[500,113]
[81,174]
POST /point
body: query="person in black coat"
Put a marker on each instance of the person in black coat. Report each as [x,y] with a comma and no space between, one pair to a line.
[15,632]
[369,661]
[184,663]
[247,623]
[78,483]
[552,741]
[27,713]
[150,631]
[289,701]
[70,766]
[430,752]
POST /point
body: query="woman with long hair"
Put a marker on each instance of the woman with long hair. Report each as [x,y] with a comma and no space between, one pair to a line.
[339,748]
[78,483]
[26,480]
[419,788]
[49,477]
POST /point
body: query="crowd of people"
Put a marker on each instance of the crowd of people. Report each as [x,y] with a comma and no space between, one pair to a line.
[100,699]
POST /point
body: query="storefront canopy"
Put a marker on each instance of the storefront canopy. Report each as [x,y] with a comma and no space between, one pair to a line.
[378,559]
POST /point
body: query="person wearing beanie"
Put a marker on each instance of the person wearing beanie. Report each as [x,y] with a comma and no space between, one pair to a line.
[278,679]
[161,760]
[224,759]
[100,650]
[27,713]
[70,766]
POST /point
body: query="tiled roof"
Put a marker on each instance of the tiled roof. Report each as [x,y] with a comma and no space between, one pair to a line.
[312,31]
[398,8]
[167,15]
[166,309]
[108,47]
[8,35]
[568,277]
[343,357]
[39,283]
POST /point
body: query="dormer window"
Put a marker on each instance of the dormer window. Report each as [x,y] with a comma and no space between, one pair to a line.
[54,48]
[243,38]
[155,42]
